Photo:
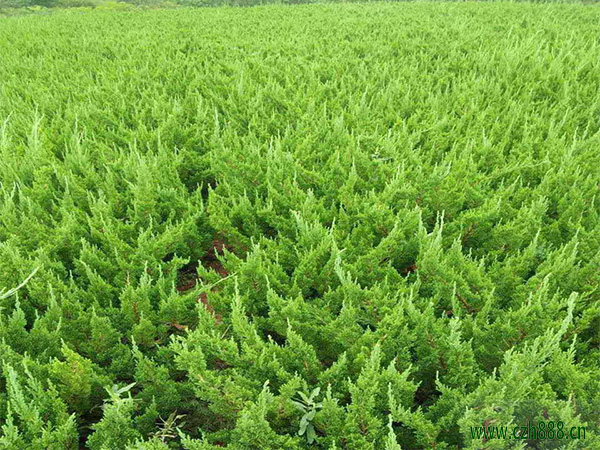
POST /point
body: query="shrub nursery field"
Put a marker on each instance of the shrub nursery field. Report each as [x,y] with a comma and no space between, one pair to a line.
[361,227]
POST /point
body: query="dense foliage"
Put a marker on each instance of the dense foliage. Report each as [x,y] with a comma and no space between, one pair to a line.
[12,7]
[335,227]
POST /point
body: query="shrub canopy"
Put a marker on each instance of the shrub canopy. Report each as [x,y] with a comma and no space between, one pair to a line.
[353,227]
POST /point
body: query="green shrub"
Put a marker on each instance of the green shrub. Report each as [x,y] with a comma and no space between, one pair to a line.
[391,210]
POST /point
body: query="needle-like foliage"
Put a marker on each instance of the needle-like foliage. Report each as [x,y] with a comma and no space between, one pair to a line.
[392,209]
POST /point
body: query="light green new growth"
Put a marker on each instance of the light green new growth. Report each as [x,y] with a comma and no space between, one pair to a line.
[336,226]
